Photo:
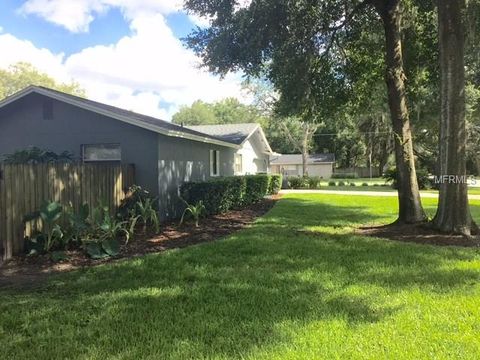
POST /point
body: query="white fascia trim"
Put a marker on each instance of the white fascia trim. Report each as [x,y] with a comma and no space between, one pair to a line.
[264,138]
[59,97]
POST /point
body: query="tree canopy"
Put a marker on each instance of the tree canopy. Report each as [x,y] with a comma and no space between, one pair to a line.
[20,75]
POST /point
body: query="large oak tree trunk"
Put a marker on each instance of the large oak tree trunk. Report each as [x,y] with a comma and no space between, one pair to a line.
[453,213]
[410,207]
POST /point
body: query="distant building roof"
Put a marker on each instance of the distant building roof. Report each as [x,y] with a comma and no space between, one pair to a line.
[296,159]
[233,133]
[144,121]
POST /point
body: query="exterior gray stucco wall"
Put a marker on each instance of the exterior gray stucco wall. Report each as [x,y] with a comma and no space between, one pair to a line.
[182,160]
[22,125]
[162,163]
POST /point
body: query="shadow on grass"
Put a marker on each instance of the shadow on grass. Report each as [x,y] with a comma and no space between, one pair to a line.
[227,299]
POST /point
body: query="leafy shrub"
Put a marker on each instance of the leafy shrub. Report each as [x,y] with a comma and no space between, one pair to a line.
[297,182]
[78,226]
[390,176]
[135,194]
[365,184]
[256,188]
[275,184]
[376,184]
[332,183]
[35,155]
[218,195]
[341,183]
[104,232]
[344,176]
[422,178]
[50,213]
[314,182]
[222,194]
[353,184]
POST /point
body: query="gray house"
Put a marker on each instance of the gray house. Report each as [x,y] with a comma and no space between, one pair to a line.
[321,165]
[165,155]
[253,157]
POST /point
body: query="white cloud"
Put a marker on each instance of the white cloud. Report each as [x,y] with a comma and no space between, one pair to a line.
[14,50]
[141,71]
[1,29]
[76,15]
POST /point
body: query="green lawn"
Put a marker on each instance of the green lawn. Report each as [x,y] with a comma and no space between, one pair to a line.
[296,285]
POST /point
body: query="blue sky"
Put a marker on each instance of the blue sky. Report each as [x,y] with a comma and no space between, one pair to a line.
[124,52]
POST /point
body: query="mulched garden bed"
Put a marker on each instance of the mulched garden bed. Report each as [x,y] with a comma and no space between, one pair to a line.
[25,270]
[420,234]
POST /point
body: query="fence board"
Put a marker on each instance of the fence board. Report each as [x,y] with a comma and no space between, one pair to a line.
[23,188]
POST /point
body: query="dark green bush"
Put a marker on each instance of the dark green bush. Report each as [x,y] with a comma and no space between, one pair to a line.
[218,195]
[222,194]
[423,180]
[35,155]
[314,182]
[332,183]
[341,183]
[353,184]
[297,182]
[275,184]
[257,188]
[365,184]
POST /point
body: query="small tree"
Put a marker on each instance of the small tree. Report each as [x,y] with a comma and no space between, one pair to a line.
[300,134]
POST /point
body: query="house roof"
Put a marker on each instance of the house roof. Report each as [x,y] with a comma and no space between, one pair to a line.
[296,159]
[234,133]
[143,121]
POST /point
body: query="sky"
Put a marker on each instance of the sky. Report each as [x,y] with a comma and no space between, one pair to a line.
[125,53]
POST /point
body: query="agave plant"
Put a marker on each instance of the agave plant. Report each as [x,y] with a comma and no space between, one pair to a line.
[145,213]
[196,211]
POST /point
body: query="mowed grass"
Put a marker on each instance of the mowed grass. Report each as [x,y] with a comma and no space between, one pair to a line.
[296,285]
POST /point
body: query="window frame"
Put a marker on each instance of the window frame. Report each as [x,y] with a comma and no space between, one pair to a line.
[214,163]
[240,158]
[84,146]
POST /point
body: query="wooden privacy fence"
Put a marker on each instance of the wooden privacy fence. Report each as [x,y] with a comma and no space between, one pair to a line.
[23,188]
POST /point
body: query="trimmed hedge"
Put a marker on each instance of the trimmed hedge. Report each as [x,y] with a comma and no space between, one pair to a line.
[275,184]
[297,182]
[222,194]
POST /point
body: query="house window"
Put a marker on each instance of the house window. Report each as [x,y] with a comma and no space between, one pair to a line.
[101,152]
[238,164]
[47,110]
[214,163]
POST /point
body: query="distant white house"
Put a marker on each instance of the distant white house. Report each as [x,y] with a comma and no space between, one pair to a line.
[254,153]
[291,165]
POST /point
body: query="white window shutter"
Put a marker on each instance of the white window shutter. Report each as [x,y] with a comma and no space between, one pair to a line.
[211,163]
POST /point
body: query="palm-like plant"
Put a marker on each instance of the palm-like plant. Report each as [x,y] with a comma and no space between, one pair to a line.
[145,213]
[196,211]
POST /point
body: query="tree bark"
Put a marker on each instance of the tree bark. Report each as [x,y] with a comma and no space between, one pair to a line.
[453,213]
[304,161]
[410,206]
